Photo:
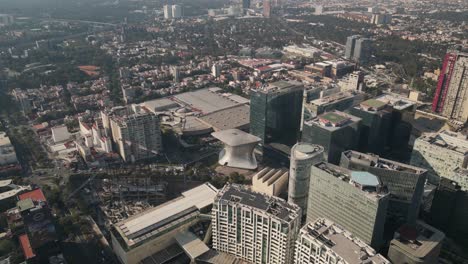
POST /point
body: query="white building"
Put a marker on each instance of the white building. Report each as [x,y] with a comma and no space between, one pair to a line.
[238,148]
[303,156]
[216,70]
[270,181]
[167,11]
[153,230]
[7,151]
[60,133]
[176,11]
[440,154]
[324,242]
[254,227]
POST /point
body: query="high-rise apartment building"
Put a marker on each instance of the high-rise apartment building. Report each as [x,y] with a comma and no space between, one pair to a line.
[440,153]
[253,226]
[216,70]
[267,8]
[350,46]
[451,96]
[176,74]
[405,183]
[355,200]
[135,131]
[358,49]
[325,242]
[167,11]
[335,131]
[362,50]
[176,11]
[303,156]
[275,112]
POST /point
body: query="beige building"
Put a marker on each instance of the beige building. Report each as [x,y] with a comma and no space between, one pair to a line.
[324,242]
[135,130]
[253,226]
[270,181]
[416,245]
[153,230]
[440,154]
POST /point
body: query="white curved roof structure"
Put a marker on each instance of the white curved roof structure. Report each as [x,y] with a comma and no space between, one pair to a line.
[238,148]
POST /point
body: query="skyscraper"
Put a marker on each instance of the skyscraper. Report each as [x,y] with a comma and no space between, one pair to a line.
[176,11]
[405,183]
[135,131]
[355,200]
[325,242]
[303,156]
[253,226]
[216,70]
[451,96]
[350,45]
[335,131]
[176,74]
[358,49]
[167,11]
[275,112]
[376,125]
[267,8]
[362,50]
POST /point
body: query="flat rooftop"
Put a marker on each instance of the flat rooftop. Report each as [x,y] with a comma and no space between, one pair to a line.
[359,181]
[304,150]
[419,240]
[229,118]
[373,160]
[281,85]
[373,105]
[235,137]
[207,100]
[449,140]
[398,102]
[334,237]
[137,228]
[277,207]
[333,98]
[333,120]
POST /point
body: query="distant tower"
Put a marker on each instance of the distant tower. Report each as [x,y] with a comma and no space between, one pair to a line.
[267,8]
[216,70]
[245,4]
[350,45]
[303,156]
[176,11]
[167,11]
[451,96]
[176,74]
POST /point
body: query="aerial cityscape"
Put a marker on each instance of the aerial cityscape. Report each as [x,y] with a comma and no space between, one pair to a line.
[233,132]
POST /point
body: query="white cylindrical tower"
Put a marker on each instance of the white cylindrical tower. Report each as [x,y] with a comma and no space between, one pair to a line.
[303,156]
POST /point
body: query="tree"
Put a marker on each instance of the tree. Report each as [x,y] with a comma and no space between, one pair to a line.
[6,247]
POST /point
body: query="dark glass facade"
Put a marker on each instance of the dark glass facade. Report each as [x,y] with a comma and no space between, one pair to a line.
[275,116]
[334,141]
[376,128]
